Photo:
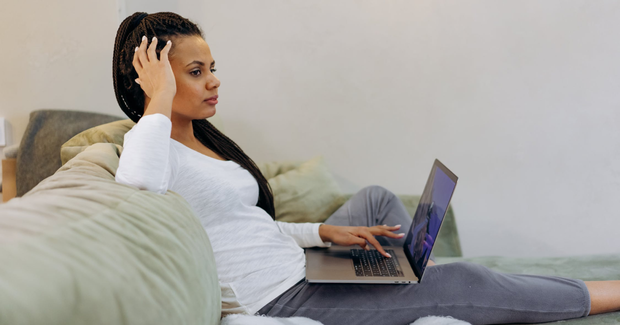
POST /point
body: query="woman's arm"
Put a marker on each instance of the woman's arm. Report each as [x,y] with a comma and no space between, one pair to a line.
[146,161]
[305,234]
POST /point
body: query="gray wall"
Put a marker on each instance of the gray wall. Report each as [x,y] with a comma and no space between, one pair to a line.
[518,97]
[55,55]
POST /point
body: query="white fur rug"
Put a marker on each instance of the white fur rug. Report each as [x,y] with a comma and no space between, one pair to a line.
[237,319]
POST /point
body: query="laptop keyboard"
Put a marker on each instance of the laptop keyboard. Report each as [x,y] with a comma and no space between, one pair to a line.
[372,263]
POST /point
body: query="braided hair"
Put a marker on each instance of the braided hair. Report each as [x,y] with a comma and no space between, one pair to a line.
[130,97]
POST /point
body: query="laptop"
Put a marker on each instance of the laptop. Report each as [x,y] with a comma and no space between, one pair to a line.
[350,264]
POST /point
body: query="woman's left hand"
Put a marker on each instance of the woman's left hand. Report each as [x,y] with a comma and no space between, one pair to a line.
[346,236]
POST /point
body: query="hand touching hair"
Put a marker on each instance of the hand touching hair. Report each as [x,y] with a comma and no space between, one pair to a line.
[163,25]
[130,96]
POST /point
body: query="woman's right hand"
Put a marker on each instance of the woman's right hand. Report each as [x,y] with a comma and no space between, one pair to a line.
[155,77]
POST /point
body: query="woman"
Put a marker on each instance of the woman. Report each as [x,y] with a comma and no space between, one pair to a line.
[163,79]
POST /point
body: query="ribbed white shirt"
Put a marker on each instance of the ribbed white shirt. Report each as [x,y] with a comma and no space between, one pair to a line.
[257,259]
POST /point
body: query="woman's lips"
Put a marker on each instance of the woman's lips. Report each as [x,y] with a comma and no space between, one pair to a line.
[211,100]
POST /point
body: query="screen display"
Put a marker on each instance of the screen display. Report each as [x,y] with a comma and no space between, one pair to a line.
[428,217]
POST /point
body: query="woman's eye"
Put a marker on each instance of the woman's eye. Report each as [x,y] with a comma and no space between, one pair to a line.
[195,73]
[213,70]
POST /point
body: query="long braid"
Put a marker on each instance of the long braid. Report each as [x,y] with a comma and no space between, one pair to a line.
[130,97]
[121,73]
[215,140]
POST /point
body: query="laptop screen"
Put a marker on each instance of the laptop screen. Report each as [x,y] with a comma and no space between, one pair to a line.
[429,217]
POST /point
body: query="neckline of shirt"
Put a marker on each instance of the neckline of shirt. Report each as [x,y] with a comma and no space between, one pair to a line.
[227,162]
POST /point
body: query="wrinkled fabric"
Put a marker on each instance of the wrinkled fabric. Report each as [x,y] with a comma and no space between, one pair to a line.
[81,248]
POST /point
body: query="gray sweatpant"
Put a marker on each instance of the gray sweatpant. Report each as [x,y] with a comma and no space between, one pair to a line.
[462,290]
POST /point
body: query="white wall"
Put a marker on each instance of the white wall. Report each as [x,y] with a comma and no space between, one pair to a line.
[518,97]
[56,55]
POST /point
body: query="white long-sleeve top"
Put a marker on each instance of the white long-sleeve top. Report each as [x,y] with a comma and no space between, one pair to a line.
[257,259]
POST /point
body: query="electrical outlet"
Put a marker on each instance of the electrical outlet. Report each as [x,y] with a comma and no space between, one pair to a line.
[2,132]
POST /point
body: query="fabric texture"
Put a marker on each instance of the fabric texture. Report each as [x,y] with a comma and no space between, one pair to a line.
[263,320]
[84,249]
[274,168]
[112,132]
[438,320]
[307,193]
[38,156]
[462,290]
[587,268]
[238,319]
[256,262]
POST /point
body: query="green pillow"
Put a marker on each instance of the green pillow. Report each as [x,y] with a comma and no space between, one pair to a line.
[307,193]
[81,248]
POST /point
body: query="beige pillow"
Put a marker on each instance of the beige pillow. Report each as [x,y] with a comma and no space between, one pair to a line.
[275,168]
[106,133]
[307,193]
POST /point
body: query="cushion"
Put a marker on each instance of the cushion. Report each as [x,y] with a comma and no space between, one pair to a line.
[307,193]
[106,133]
[38,154]
[275,168]
[587,267]
[82,249]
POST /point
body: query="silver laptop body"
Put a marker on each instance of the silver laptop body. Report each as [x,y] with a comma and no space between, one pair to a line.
[336,264]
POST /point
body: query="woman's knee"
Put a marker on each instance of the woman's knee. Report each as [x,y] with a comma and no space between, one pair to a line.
[377,191]
[465,273]
[468,268]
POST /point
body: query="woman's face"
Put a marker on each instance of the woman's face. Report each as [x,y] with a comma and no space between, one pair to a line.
[197,86]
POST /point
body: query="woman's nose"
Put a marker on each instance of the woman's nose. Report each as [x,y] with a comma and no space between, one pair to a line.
[213,82]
